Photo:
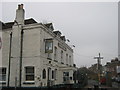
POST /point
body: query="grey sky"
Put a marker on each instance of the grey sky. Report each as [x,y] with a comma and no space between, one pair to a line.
[91,26]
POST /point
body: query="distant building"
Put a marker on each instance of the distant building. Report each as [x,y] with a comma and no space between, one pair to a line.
[94,68]
[45,57]
[112,66]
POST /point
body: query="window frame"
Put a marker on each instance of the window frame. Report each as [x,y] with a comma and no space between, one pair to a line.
[44,74]
[29,73]
[49,45]
[67,59]
[62,53]
[3,74]
[55,53]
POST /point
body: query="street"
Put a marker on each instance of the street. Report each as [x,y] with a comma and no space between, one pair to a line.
[93,83]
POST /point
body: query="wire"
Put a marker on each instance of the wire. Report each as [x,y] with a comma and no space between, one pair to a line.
[82,55]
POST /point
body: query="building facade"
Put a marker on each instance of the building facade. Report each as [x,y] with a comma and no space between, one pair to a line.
[34,54]
[112,67]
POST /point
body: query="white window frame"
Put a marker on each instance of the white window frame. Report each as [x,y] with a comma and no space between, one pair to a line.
[3,74]
[32,74]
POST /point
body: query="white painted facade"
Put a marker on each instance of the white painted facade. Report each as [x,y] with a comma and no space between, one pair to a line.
[34,55]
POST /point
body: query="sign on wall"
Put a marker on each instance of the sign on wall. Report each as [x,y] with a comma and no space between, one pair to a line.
[48,46]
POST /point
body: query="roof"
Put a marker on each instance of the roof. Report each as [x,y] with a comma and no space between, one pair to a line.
[49,25]
[10,24]
[63,38]
[30,21]
[57,32]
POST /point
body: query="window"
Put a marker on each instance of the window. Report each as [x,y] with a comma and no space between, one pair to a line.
[3,74]
[29,72]
[65,76]
[49,46]
[53,74]
[55,53]
[65,73]
[44,74]
[66,58]
[70,60]
[61,56]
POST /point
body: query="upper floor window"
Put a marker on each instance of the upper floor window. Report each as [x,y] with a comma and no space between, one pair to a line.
[29,73]
[48,46]
[61,56]
[3,74]
[44,74]
[70,60]
[55,53]
[66,58]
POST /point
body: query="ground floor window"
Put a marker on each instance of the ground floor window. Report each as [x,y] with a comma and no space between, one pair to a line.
[29,73]
[65,76]
[53,74]
[44,74]
[2,74]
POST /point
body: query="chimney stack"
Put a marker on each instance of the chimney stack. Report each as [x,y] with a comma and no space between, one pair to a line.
[20,14]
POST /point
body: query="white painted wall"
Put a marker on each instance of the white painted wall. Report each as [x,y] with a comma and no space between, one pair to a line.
[34,55]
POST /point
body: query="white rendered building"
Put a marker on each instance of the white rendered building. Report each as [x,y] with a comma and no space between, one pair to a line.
[34,54]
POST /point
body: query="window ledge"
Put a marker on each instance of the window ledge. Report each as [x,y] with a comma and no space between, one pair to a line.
[2,82]
[29,82]
[55,60]
[49,58]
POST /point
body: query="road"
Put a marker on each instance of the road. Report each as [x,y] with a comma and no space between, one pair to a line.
[93,83]
[116,85]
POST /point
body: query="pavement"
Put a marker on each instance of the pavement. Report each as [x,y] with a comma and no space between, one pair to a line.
[94,84]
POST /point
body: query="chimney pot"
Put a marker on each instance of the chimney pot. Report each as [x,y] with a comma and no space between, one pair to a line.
[19,6]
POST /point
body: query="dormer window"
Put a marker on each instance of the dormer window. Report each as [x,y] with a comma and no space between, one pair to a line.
[57,33]
[63,38]
[49,26]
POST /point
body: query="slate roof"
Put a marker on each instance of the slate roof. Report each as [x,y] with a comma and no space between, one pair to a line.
[63,38]
[49,25]
[10,24]
[57,32]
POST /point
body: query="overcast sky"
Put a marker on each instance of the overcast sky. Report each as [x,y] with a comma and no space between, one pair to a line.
[91,26]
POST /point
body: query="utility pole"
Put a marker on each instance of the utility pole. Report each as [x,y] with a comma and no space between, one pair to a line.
[9,60]
[21,53]
[98,65]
